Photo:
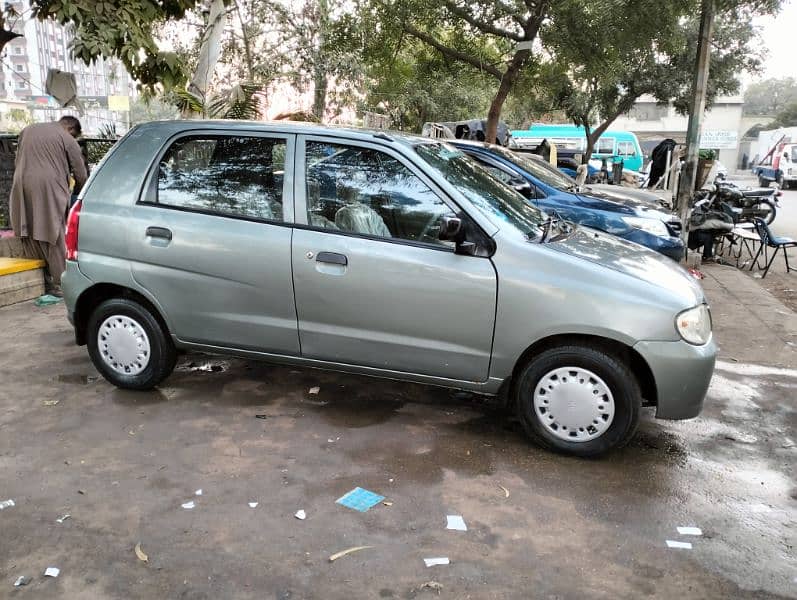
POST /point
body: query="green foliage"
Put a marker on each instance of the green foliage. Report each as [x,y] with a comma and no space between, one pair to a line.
[769,96]
[786,117]
[242,101]
[122,29]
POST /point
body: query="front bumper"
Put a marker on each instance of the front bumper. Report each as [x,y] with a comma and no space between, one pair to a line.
[682,373]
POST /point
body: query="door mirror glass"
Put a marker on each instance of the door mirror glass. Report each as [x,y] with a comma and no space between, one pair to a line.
[524,187]
[450,229]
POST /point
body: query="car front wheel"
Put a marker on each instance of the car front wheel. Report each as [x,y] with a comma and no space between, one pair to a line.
[128,346]
[578,400]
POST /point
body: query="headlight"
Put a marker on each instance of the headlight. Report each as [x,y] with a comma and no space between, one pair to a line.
[654,226]
[694,325]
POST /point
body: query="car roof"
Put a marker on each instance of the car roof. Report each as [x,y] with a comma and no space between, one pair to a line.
[489,147]
[290,127]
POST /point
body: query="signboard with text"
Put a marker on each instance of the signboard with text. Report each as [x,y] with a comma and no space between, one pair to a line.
[719,139]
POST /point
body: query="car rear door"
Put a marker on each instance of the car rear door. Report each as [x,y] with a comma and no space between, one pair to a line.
[374,286]
[211,239]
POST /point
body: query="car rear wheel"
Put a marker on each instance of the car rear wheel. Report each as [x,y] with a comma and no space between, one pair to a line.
[128,346]
[764,183]
[578,400]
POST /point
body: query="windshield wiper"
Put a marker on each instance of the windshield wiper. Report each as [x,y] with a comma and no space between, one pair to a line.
[564,227]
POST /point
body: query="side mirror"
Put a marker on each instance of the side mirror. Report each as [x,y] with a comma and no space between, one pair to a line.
[450,229]
[523,187]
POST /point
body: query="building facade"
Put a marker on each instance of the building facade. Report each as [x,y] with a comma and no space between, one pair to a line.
[44,46]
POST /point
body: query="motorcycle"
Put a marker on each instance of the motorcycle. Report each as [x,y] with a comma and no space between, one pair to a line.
[748,203]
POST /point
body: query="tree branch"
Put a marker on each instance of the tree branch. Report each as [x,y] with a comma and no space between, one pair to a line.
[479,24]
[453,53]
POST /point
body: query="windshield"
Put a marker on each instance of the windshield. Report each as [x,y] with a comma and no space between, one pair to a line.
[484,191]
[537,167]
[794,154]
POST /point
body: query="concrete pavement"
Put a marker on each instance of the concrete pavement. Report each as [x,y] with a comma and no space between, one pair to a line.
[121,464]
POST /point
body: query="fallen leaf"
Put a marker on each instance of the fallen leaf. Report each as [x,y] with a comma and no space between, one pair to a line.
[506,491]
[51,402]
[343,553]
[140,553]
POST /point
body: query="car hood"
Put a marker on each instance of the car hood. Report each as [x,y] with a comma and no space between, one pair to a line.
[638,200]
[631,259]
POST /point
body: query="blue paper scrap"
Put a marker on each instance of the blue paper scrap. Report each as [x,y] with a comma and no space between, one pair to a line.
[360,499]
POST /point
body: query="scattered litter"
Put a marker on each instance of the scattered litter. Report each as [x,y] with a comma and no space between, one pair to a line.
[360,499]
[47,300]
[689,531]
[314,390]
[253,504]
[331,441]
[506,491]
[301,515]
[62,519]
[209,368]
[22,580]
[681,545]
[432,562]
[343,553]
[50,402]
[198,492]
[140,553]
[6,504]
[387,503]
[390,480]
[188,505]
[261,416]
[81,492]
[432,585]
[757,276]
[52,572]
[456,522]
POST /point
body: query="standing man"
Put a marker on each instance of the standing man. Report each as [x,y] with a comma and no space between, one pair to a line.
[46,156]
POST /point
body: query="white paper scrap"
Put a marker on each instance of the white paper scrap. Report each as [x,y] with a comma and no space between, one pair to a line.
[198,492]
[689,531]
[189,504]
[301,515]
[52,572]
[681,545]
[456,522]
[62,519]
[315,390]
[6,504]
[431,562]
[253,504]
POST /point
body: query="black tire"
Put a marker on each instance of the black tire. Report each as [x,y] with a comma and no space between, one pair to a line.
[615,374]
[764,183]
[161,356]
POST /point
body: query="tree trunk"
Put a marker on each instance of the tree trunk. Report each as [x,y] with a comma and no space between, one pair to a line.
[508,80]
[209,52]
[250,66]
[591,140]
[320,80]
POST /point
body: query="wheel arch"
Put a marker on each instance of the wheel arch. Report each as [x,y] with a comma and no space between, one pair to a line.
[96,294]
[639,367]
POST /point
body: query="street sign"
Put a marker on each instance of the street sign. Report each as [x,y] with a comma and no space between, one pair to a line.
[719,139]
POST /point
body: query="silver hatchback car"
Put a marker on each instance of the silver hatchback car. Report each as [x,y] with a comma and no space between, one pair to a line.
[378,254]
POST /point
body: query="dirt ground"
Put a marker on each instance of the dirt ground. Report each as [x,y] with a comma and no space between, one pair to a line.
[539,525]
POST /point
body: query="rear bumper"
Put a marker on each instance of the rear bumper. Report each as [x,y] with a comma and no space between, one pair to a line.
[73,283]
[682,373]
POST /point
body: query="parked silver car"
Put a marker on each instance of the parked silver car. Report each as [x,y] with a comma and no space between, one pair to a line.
[379,254]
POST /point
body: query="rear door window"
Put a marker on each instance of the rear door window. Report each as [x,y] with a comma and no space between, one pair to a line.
[236,176]
[626,149]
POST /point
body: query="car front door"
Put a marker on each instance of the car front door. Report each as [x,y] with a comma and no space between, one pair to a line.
[212,239]
[374,285]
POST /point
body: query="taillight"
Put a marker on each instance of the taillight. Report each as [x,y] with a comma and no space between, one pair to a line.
[72,223]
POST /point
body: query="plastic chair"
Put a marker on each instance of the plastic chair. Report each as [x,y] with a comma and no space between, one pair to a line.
[768,240]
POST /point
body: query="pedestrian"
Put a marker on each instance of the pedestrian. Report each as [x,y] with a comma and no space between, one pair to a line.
[47,154]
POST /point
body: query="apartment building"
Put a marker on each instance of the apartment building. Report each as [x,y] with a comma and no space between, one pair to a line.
[45,45]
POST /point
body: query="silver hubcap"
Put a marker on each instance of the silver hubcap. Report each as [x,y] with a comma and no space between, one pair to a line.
[123,345]
[574,404]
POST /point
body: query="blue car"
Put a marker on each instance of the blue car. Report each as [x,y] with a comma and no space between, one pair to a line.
[611,210]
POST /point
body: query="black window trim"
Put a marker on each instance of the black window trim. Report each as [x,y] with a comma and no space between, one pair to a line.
[148,195]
